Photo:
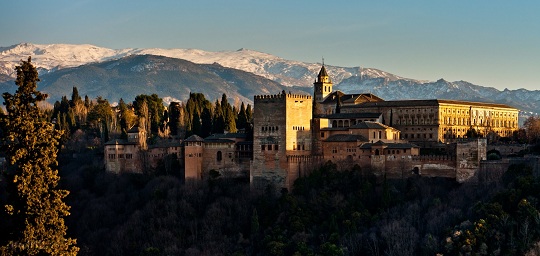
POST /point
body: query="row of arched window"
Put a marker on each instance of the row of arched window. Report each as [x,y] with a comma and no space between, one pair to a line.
[269,147]
[269,128]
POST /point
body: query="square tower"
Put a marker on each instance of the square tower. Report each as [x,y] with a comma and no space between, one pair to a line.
[322,86]
[281,128]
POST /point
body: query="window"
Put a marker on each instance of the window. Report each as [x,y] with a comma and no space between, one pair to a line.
[262,147]
[112,157]
[120,156]
[129,156]
[322,134]
[276,147]
[219,156]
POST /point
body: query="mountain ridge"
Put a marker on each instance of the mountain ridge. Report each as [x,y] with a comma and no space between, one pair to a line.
[294,74]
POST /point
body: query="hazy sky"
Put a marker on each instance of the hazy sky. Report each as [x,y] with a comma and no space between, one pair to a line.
[490,43]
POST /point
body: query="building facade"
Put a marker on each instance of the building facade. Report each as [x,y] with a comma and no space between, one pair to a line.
[281,132]
[295,133]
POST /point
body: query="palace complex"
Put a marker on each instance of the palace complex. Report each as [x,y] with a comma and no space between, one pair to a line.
[294,133]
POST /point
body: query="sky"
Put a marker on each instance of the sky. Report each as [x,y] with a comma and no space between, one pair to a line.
[489,43]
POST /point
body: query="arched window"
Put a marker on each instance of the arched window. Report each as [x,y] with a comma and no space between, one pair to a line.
[219,156]
[334,123]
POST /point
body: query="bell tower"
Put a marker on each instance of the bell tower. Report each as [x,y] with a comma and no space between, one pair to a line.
[322,86]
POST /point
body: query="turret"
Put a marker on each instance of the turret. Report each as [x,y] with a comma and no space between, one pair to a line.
[322,86]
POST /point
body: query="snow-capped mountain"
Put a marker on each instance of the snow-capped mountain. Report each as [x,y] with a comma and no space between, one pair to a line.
[52,58]
[49,58]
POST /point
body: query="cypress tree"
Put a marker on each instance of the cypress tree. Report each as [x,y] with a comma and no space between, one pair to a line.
[218,122]
[206,120]
[75,97]
[87,102]
[35,205]
[242,120]
[249,114]
[196,128]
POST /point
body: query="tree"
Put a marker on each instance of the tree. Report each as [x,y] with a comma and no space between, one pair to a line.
[155,110]
[218,121]
[35,205]
[176,119]
[472,133]
[228,115]
[532,126]
[242,120]
[75,97]
[101,117]
[206,121]
[127,118]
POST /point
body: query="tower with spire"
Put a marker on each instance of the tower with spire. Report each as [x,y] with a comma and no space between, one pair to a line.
[322,86]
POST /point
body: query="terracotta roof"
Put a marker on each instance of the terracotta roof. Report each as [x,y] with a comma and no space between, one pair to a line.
[346,137]
[218,140]
[351,115]
[194,138]
[119,142]
[349,99]
[226,135]
[165,144]
[430,102]
[389,145]
[369,125]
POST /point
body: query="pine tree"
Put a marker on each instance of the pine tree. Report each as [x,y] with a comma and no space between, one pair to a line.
[35,204]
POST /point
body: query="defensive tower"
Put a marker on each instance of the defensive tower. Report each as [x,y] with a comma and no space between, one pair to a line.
[281,129]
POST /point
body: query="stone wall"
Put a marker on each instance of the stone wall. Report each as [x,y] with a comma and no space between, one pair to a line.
[282,125]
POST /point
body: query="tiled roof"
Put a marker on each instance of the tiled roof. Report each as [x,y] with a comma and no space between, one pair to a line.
[119,142]
[345,138]
[323,72]
[165,144]
[218,140]
[351,115]
[226,136]
[389,145]
[348,99]
[430,102]
[194,138]
[369,125]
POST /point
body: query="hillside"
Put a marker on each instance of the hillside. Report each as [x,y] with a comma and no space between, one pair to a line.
[148,74]
[56,61]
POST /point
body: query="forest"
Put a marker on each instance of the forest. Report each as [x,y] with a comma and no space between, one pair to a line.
[331,211]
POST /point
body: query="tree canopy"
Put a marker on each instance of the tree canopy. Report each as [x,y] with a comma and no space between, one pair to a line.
[35,206]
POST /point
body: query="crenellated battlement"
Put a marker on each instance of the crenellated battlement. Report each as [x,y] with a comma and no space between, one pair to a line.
[433,158]
[281,96]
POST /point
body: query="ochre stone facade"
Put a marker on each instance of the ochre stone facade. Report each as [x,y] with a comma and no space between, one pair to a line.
[428,122]
[362,129]
[282,129]
[294,133]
